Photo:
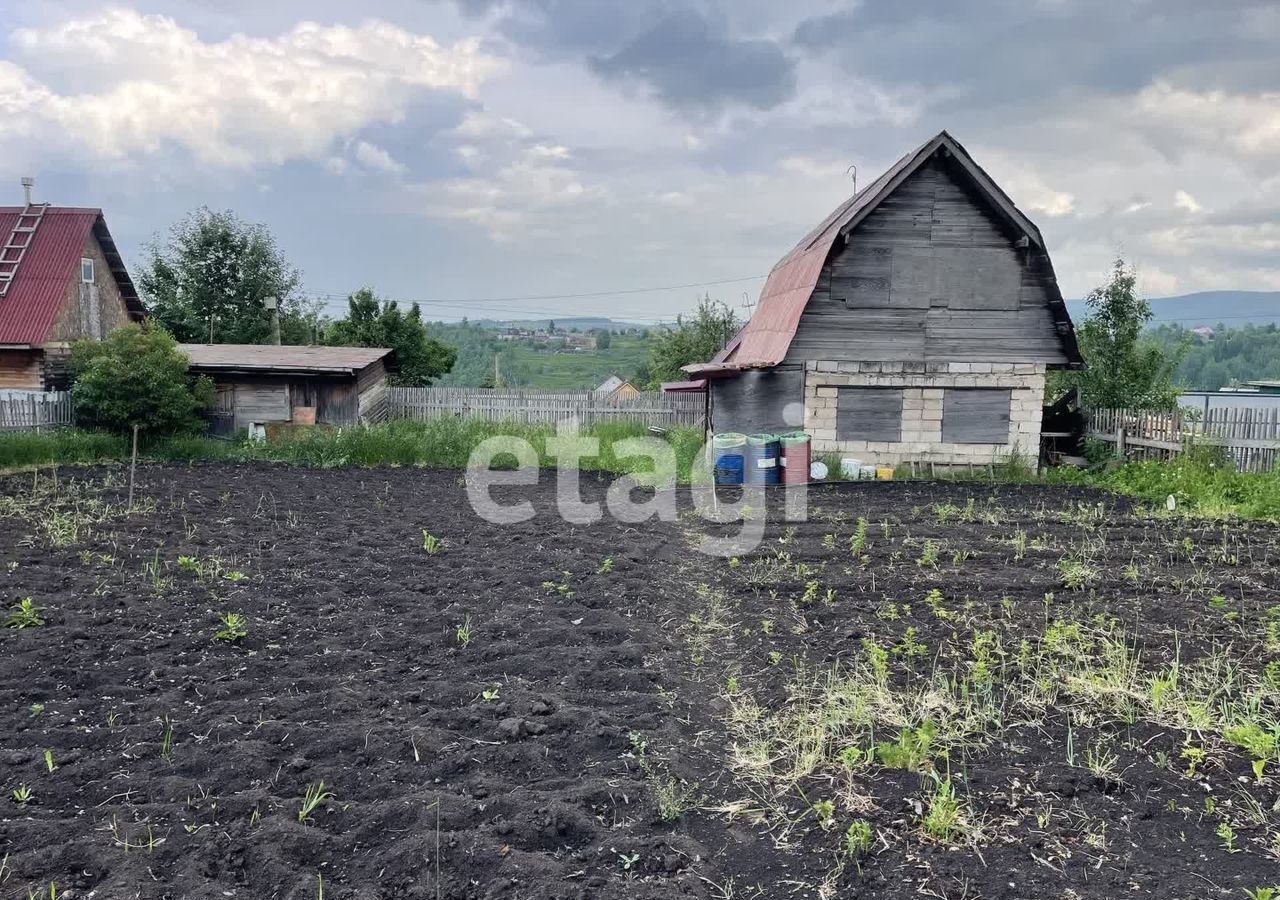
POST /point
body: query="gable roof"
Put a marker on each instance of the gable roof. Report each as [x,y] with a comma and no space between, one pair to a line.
[765,339]
[30,308]
[275,358]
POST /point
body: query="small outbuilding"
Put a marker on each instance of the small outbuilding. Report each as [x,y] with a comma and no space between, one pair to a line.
[615,387]
[260,384]
[915,323]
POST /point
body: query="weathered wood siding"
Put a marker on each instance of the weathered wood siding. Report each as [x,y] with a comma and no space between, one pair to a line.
[933,274]
[21,369]
[975,415]
[90,310]
[756,400]
[869,414]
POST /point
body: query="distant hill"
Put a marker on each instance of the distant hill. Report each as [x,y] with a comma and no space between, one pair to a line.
[1207,308]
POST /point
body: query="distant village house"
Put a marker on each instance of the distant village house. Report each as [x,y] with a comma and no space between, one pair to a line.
[61,278]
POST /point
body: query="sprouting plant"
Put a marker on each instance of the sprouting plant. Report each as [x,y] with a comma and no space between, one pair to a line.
[934,601]
[488,695]
[232,627]
[929,555]
[49,764]
[858,542]
[1076,574]
[25,614]
[943,821]
[828,542]
[431,543]
[314,796]
[858,838]
[628,860]
[234,575]
[1194,756]
[463,632]
[810,593]
[166,741]
[606,566]
[53,893]
[877,659]
[190,564]
[912,750]
[37,709]
[825,812]
[560,587]
[1228,837]
[1263,893]
[1019,542]
[22,795]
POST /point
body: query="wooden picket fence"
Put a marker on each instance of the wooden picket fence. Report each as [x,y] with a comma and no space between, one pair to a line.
[544,407]
[33,411]
[1249,436]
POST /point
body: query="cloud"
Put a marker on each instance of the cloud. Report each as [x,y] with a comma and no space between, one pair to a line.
[688,54]
[690,65]
[126,86]
[1183,200]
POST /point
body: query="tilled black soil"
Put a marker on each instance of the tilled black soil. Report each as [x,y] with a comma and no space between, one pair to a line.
[520,760]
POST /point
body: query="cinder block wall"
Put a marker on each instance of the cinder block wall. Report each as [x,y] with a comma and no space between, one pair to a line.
[922,385]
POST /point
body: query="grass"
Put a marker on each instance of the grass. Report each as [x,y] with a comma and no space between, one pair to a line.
[443,442]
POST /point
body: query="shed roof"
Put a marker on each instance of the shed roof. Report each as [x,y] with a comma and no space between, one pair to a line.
[766,338]
[269,358]
[29,309]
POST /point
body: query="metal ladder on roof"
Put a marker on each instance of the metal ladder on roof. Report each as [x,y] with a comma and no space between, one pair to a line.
[24,231]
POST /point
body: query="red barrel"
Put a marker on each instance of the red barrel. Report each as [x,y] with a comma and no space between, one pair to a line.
[795,458]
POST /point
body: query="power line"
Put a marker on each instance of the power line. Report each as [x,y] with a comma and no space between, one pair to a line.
[453,301]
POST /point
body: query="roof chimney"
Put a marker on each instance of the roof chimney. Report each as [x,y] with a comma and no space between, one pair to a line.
[27,184]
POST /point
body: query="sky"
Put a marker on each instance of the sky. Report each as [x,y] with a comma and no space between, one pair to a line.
[525,158]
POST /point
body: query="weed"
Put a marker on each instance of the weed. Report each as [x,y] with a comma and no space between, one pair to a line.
[912,750]
[312,799]
[489,695]
[232,627]
[1076,574]
[1227,835]
[1263,893]
[858,838]
[22,795]
[628,860]
[929,555]
[858,542]
[944,819]
[49,764]
[825,812]
[25,614]
[430,543]
[166,741]
[606,566]
[463,633]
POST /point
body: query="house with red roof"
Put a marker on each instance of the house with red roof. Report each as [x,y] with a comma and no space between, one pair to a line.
[916,323]
[61,278]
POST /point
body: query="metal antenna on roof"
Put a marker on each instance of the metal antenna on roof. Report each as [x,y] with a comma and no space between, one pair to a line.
[854,170]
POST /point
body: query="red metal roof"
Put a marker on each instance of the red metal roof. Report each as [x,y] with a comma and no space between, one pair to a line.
[30,307]
[766,338]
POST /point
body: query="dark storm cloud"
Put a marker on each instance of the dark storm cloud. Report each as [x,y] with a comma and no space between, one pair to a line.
[687,54]
[998,50]
[689,64]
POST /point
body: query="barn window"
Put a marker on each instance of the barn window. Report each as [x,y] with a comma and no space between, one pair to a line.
[86,270]
[975,416]
[869,414]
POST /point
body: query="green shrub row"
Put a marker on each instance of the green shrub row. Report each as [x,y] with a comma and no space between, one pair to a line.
[443,442]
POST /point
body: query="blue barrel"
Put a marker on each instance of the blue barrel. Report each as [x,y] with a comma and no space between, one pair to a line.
[762,459]
[729,449]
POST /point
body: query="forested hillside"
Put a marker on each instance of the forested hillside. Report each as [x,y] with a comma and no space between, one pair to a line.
[1232,355]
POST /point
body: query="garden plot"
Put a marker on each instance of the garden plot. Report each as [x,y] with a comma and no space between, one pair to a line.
[268,681]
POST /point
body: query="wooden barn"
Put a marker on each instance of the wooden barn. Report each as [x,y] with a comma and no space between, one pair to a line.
[61,278]
[915,323]
[264,384]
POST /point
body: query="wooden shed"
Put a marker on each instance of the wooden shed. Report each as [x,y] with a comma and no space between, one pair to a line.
[915,323]
[267,383]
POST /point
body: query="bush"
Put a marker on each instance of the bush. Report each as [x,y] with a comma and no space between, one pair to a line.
[137,376]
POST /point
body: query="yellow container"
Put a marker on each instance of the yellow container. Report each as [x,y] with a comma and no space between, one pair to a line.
[884,473]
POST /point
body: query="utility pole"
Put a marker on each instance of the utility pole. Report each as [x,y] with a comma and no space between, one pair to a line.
[273,306]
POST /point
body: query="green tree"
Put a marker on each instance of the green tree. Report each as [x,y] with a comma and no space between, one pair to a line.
[691,340]
[1125,368]
[209,280]
[137,376]
[373,323]
[604,339]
